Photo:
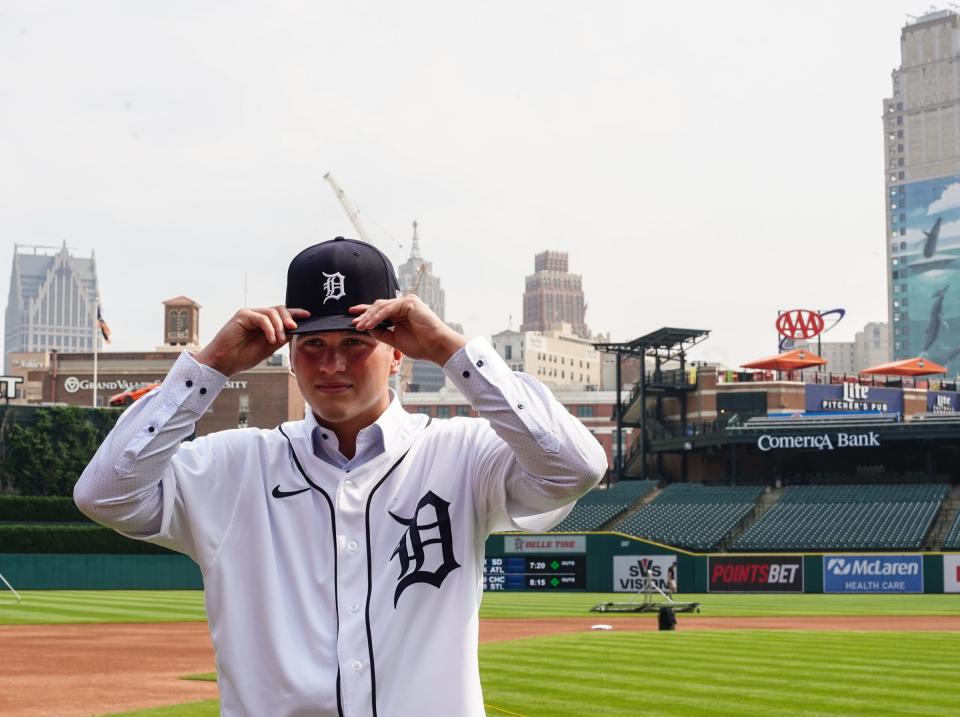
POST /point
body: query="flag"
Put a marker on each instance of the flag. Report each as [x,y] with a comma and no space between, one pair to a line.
[104,328]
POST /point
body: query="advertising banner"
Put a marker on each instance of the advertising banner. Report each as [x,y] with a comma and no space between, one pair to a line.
[872,574]
[629,572]
[925,270]
[763,573]
[943,402]
[544,544]
[840,397]
[951,573]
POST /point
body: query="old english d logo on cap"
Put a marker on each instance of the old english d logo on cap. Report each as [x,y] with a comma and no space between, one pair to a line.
[328,278]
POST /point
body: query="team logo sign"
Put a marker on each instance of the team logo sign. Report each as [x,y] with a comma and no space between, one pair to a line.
[410,550]
[334,286]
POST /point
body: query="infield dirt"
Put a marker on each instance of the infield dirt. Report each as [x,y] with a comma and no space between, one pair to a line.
[83,670]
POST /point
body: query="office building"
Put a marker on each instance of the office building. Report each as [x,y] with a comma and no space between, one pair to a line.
[870,347]
[554,296]
[52,304]
[921,132]
[559,358]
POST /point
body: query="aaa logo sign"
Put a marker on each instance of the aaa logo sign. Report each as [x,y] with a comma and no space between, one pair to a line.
[800,324]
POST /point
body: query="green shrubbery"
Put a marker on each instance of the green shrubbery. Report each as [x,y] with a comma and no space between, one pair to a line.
[44,449]
[23,538]
[39,509]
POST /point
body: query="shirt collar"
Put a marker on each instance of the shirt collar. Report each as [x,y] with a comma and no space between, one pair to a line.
[378,437]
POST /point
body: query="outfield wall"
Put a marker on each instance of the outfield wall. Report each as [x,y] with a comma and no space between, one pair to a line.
[595,562]
[615,562]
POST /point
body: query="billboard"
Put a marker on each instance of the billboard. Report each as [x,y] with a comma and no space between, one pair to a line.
[943,402]
[951,573]
[629,571]
[852,397]
[755,573]
[544,543]
[872,574]
[925,270]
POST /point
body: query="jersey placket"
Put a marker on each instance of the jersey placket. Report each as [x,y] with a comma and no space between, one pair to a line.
[356,676]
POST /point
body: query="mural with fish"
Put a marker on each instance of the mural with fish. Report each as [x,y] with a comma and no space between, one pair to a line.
[925,270]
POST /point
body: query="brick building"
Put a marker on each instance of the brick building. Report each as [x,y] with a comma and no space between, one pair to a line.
[554,296]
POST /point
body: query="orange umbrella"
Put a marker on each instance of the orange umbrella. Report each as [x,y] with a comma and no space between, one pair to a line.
[907,367]
[788,361]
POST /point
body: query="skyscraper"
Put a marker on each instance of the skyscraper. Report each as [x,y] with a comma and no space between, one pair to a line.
[921,132]
[52,302]
[416,277]
[554,296]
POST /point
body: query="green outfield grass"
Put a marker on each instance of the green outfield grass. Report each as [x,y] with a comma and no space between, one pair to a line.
[71,606]
[43,607]
[675,674]
[725,673]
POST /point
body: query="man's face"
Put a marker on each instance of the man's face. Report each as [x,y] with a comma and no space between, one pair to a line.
[343,375]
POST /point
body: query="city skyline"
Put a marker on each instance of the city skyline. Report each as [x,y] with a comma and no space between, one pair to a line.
[695,178]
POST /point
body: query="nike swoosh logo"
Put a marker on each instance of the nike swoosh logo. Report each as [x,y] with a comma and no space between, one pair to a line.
[277,493]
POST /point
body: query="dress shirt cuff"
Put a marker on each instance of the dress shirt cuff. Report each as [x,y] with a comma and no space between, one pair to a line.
[476,368]
[192,385]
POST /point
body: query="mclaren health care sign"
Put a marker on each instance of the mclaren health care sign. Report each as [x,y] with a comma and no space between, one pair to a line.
[852,397]
[872,573]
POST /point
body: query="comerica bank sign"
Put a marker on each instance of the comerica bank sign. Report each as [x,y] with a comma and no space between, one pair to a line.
[819,441]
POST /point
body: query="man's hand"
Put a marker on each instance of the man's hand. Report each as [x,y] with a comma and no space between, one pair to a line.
[417,332]
[248,338]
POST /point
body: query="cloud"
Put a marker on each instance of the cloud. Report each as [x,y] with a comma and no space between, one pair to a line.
[950,199]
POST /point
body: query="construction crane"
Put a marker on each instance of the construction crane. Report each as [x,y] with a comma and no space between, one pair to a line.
[353,213]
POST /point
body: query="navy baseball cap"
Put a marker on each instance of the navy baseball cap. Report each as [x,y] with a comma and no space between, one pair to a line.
[328,278]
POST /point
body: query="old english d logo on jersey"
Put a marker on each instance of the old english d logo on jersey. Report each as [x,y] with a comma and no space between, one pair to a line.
[410,548]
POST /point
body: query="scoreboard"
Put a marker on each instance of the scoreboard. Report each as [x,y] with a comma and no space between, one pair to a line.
[530,572]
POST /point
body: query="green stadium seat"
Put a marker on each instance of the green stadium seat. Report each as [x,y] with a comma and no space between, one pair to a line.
[846,517]
[692,515]
[601,505]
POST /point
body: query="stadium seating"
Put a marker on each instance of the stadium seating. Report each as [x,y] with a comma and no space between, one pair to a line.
[952,541]
[692,515]
[602,505]
[846,517]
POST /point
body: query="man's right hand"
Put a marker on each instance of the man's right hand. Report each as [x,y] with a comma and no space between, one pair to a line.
[248,338]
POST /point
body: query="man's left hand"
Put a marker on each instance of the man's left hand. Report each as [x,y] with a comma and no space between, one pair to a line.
[417,332]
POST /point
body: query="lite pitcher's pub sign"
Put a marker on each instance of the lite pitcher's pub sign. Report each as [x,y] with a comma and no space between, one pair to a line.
[852,398]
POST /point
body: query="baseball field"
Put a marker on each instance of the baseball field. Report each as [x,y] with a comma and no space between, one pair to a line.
[147,654]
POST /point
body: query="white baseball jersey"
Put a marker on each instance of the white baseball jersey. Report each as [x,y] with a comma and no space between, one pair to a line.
[334,593]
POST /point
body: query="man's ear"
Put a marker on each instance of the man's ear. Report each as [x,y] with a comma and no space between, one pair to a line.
[397,361]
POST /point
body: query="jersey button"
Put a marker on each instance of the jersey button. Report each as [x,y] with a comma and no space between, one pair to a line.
[348,484]
[355,607]
[352,546]
[357,665]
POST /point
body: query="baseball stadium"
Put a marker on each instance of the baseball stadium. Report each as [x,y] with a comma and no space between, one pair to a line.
[777,540]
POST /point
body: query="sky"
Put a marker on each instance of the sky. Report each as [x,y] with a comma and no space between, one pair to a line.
[704,164]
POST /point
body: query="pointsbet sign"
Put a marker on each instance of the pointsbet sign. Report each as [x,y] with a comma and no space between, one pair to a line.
[764,573]
[872,574]
[819,441]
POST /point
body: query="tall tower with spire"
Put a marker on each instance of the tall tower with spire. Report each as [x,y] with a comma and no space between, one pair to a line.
[416,277]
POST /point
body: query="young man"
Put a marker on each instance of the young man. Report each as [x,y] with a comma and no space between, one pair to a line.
[342,555]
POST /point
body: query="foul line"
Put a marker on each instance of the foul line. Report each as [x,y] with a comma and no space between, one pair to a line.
[500,709]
